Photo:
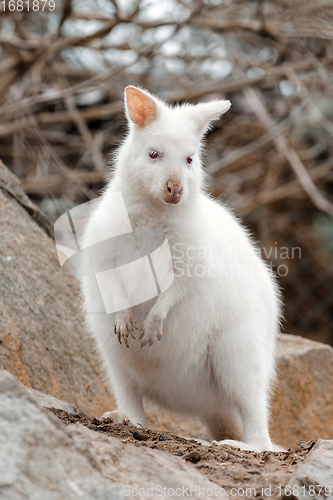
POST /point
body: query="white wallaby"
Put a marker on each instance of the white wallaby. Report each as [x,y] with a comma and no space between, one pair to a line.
[206,345]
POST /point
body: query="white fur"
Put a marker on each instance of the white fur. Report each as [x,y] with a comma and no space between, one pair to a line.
[215,359]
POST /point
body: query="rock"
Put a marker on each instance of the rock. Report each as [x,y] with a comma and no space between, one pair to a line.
[314,477]
[144,468]
[10,185]
[50,401]
[193,457]
[42,338]
[41,458]
[303,407]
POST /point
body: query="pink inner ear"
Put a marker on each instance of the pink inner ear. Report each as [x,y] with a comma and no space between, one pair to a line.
[141,108]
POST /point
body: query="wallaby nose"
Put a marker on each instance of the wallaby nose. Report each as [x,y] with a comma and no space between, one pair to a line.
[173,191]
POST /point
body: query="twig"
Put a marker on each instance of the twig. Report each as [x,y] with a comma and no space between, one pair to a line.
[55,183]
[250,148]
[289,153]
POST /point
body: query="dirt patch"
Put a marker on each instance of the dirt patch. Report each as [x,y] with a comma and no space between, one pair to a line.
[254,475]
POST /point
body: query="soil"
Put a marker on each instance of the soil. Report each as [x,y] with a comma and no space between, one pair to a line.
[249,474]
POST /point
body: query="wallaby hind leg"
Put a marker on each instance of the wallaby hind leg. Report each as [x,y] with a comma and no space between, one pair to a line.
[228,425]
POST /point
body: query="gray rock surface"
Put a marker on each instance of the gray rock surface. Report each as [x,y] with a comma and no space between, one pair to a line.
[10,185]
[48,401]
[314,477]
[154,471]
[302,408]
[42,337]
[42,459]
[39,459]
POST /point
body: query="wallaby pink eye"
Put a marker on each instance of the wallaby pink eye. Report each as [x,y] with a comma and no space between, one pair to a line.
[153,154]
[189,160]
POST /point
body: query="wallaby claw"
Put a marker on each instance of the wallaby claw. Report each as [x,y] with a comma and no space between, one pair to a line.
[124,327]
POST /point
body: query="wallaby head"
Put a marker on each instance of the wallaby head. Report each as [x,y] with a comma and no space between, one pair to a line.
[160,158]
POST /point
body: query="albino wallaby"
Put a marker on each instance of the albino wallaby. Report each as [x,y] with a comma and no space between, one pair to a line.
[206,344]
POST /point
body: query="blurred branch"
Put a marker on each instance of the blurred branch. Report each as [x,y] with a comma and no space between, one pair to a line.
[54,183]
[313,108]
[285,191]
[289,153]
[96,112]
[61,89]
[65,172]
[66,13]
[252,147]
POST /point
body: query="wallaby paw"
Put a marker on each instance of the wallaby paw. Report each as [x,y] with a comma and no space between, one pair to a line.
[117,417]
[151,330]
[245,446]
[124,326]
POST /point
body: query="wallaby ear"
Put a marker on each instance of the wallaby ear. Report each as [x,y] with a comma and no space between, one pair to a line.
[140,106]
[206,112]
